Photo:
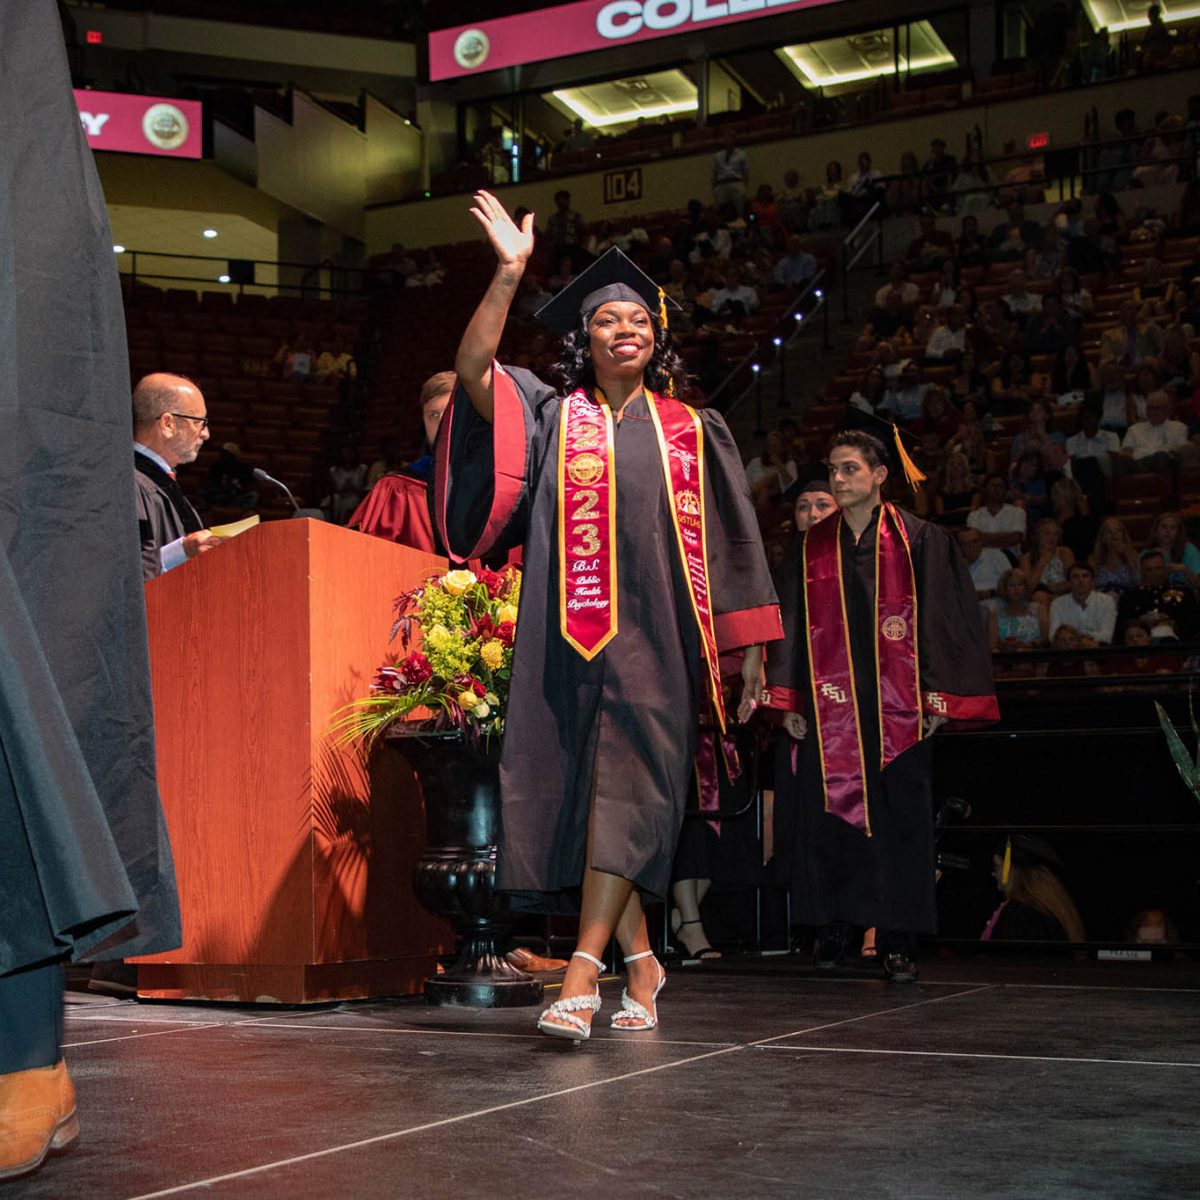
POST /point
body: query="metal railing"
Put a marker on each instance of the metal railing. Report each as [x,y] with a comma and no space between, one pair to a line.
[852,250]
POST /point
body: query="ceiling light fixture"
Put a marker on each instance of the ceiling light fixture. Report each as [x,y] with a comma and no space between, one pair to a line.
[118,248]
[601,120]
[210,233]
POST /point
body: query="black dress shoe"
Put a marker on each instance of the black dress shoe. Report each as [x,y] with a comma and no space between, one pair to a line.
[899,968]
[831,949]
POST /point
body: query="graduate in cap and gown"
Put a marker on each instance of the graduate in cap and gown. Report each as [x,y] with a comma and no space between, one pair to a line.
[886,645]
[642,563]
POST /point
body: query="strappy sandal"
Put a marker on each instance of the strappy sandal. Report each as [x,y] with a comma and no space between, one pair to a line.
[568,1025]
[632,1010]
[705,953]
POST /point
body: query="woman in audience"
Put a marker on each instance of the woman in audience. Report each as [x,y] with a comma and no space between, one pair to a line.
[1016,623]
[971,194]
[969,439]
[1149,379]
[1076,299]
[1047,562]
[959,485]
[826,210]
[938,415]
[1029,485]
[772,472]
[1036,433]
[1036,906]
[1072,376]
[869,394]
[1069,505]
[944,290]
[1012,386]
[1114,559]
[1045,261]
[906,191]
[968,382]
[1153,293]
[1168,534]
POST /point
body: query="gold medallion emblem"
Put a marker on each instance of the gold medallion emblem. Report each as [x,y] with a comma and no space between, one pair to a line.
[688,502]
[894,629]
[585,469]
[588,438]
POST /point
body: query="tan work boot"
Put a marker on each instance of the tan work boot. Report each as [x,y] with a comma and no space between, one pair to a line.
[37,1116]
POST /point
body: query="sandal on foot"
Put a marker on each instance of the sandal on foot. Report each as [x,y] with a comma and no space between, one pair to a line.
[567,1024]
[705,953]
[631,1010]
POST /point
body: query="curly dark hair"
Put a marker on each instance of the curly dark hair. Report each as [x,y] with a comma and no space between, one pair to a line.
[574,367]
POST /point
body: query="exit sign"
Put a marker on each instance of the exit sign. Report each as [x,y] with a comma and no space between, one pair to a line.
[1039,141]
[95,37]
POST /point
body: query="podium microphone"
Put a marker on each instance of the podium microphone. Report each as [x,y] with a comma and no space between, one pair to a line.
[263,477]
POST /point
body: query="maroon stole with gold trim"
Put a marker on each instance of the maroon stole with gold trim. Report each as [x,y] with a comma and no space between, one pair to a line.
[587,544]
[831,667]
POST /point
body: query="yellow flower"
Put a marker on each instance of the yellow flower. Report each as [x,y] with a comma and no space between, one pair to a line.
[457,582]
[492,654]
[508,612]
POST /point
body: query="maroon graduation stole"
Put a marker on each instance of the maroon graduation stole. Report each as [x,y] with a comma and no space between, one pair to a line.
[831,667]
[587,495]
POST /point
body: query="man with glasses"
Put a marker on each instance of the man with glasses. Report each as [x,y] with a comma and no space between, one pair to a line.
[170,425]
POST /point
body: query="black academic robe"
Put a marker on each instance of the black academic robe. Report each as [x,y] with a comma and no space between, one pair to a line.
[164,513]
[837,872]
[618,731]
[84,860]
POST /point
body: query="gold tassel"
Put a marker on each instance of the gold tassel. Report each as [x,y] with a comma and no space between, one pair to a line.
[662,309]
[1006,869]
[912,472]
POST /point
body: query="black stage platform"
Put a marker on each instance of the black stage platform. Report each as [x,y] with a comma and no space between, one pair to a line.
[987,1079]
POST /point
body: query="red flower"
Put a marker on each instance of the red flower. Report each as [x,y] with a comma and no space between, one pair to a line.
[483,628]
[415,668]
[492,580]
[505,632]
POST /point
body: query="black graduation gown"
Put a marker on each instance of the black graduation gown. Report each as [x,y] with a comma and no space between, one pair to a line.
[623,726]
[84,858]
[837,872]
[164,514]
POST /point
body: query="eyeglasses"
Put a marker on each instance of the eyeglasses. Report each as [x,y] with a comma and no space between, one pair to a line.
[188,417]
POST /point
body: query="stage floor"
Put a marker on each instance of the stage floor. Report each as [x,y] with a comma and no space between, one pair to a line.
[984,1080]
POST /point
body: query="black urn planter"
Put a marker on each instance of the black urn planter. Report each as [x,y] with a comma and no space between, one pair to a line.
[456,875]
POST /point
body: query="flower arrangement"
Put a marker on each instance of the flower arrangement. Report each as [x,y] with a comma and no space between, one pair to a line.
[461,672]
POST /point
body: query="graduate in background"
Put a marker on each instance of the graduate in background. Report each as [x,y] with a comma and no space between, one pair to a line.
[887,644]
[643,562]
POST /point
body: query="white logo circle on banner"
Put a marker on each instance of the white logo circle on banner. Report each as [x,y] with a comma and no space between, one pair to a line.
[471,48]
[165,126]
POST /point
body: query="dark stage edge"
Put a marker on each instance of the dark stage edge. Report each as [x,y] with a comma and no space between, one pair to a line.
[986,1079]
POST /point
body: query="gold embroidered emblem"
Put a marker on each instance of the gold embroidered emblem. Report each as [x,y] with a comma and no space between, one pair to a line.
[588,438]
[688,502]
[894,629]
[585,469]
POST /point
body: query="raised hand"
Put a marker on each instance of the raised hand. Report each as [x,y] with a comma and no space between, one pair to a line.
[513,246]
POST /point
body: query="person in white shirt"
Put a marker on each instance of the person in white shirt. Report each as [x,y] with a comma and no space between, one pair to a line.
[948,342]
[1083,608]
[985,564]
[1157,443]
[909,292]
[730,174]
[1002,525]
[1093,442]
[1017,300]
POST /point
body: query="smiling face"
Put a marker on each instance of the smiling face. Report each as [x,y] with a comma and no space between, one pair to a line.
[620,340]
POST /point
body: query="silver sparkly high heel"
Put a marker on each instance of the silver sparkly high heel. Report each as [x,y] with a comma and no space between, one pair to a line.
[575,1029]
[631,1010]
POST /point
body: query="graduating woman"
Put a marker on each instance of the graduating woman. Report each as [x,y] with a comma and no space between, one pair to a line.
[643,563]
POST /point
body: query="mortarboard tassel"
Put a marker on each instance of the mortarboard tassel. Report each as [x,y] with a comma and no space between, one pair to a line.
[912,472]
[1006,869]
[666,324]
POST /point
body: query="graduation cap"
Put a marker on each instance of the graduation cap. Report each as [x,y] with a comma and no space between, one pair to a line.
[891,440]
[1026,850]
[613,276]
[814,479]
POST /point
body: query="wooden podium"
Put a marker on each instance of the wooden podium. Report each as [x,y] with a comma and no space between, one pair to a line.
[295,879]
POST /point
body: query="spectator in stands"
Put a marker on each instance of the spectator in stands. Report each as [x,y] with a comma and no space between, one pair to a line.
[1001,525]
[906,190]
[1168,534]
[1072,377]
[887,358]
[1131,340]
[953,500]
[868,396]
[602,240]
[1083,608]
[563,274]
[898,281]
[730,174]
[1011,238]
[904,400]
[1024,181]
[1012,386]
[863,189]
[736,299]
[336,363]
[940,169]
[1158,443]
[986,564]
[1153,293]
[1110,217]
[944,290]
[827,202]
[1117,408]
[1156,597]
[532,296]
[1076,299]
[1049,330]
[1036,433]
[938,416]
[1047,562]
[1113,558]
[794,202]
[972,193]
[1070,508]
[565,229]
[578,138]
[1116,161]
[1036,906]
[713,241]
[1047,260]
[1018,300]
[1092,444]
[772,471]
[170,427]
[931,247]
[348,485]
[1161,154]
[948,342]
[767,220]
[890,322]
[1015,622]
[992,333]
[797,266]
[1096,60]
[1029,486]
[969,439]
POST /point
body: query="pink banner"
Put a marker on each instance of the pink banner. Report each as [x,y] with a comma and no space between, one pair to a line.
[141,124]
[584,26]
